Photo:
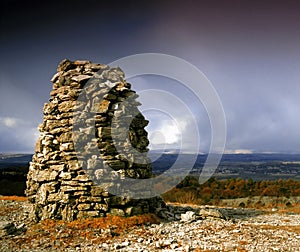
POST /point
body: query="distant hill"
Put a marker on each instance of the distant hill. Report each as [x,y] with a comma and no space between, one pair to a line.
[14,167]
[12,160]
[255,166]
[13,171]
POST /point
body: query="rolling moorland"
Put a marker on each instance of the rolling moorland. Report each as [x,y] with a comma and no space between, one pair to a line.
[251,169]
[251,203]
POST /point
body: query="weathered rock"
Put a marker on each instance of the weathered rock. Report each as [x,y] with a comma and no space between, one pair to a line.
[188,216]
[7,228]
[271,231]
[212,213]
[65,65]
[68,181]
[81,78]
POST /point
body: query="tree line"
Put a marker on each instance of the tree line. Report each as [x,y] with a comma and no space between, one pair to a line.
[190,191]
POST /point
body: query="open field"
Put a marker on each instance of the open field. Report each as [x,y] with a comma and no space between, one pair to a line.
[236,229]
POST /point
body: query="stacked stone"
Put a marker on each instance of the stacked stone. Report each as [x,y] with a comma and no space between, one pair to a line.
[91,127]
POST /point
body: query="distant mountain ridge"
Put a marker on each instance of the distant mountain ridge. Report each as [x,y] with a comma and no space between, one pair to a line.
[8,160]
[14,167]
[171,156]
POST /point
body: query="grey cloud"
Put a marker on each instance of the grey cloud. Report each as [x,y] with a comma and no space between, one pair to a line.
[250,52]
[17,135]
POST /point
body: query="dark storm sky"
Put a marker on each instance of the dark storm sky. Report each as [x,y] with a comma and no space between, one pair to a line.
[249,50]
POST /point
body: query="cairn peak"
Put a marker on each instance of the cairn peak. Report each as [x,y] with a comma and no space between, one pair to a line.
[91,125]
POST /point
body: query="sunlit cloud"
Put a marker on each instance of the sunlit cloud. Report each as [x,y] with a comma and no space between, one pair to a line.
[239,151]
[8,122]
[168,133]
[251,58]
[17,135]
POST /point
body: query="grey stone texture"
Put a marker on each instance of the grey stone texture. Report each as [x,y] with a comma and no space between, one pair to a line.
[91,126]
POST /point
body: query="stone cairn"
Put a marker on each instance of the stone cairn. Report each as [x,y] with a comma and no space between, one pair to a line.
[67,180]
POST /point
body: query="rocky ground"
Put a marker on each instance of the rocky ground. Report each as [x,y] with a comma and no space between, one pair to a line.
[179,228]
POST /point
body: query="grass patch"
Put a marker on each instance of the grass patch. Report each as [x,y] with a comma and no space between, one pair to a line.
[13,198]
[95,231]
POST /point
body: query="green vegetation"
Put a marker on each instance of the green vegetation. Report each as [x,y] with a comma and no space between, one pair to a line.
[214,190]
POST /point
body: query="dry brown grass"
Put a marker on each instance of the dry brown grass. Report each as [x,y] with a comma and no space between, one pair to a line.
[120,223]
[281,208]
[242,249]
[243,242]
[5,209]
[288,228]
[294,209]
[14,198]
[94,230]
[294,229]
[188,197]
